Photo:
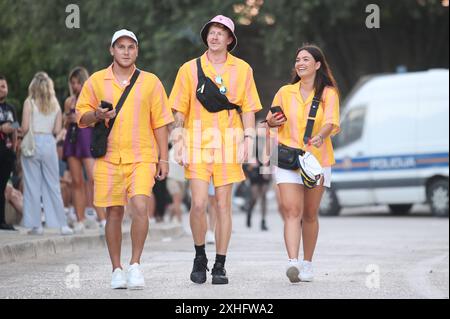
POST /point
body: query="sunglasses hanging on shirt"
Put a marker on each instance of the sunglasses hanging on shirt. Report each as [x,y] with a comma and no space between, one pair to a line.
[219,80]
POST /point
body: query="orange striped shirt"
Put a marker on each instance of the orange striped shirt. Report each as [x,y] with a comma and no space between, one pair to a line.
[238,78]
[146,108]
[297,110]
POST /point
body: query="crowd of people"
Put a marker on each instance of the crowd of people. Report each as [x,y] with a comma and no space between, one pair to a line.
[162,148]
[74,168]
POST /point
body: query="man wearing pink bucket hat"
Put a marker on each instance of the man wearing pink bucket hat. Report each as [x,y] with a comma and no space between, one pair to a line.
[226,22]
[214,95]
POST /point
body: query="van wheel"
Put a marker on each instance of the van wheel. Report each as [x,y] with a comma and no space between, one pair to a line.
[329,206]
[437,195]
[400,209]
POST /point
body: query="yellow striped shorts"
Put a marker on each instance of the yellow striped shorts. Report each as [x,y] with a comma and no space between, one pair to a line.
[114,184]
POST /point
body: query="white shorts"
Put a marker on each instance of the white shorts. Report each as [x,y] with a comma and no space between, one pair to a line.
[284,176]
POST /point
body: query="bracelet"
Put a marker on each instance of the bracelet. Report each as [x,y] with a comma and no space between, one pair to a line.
[164,161]
[321,137]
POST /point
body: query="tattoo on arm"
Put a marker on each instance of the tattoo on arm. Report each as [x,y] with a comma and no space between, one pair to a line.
[179,120]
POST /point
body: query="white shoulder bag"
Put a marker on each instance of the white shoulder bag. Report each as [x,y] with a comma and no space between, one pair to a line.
[28,146]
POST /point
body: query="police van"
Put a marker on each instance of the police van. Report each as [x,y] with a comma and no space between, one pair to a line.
[393,148]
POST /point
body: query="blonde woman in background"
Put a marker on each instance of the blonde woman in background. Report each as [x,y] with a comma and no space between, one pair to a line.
[40,171]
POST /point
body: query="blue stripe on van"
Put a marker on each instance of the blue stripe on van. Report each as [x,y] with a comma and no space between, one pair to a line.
[389,163]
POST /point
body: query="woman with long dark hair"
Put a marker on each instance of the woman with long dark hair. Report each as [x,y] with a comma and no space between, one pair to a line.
[312,78]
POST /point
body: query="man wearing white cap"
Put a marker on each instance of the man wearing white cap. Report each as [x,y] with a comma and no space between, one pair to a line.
[137,148]
[211,109]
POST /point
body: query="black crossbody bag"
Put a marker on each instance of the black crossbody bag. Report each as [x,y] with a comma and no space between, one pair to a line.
[288,156]
[209,94]
[100,133]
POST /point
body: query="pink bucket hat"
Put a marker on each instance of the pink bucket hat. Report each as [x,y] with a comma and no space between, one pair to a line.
[227,22]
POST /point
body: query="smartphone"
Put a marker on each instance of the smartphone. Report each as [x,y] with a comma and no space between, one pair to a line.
[106,105]
[277,109]
[15,125]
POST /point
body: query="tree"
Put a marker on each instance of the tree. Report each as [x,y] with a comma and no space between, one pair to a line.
[34,37]
[412,33]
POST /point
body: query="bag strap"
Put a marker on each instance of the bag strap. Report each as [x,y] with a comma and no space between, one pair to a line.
[201,75]
[30,126]
[124,96]
[311,119]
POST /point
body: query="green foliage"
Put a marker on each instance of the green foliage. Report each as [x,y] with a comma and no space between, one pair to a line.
[33,37]
[413,33]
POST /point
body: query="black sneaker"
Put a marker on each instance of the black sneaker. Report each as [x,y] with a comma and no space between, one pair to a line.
[264,226]
[198,274]
[5,226]
[219,275]
[249,220]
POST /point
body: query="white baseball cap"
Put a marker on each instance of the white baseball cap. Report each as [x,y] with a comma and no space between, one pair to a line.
[123,33]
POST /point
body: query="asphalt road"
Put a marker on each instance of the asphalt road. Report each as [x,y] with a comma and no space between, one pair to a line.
[365,253]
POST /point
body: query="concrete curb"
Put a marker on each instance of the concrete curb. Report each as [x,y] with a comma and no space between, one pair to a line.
[38,247]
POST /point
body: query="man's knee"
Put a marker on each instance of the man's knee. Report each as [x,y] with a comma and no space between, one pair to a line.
[140,207]
[223,207]
[115,214]
[198,206]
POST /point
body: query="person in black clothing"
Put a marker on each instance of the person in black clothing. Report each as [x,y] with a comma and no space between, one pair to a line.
[162,199]
[259,185]
[8,126]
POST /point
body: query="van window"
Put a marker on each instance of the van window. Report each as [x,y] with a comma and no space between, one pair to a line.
[351,127]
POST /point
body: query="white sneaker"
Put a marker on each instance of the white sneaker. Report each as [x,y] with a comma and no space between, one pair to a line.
[176,222]
[79,228]
[36,231]
[66,230]
[210,238]
[102,227]
[70,216]
[90,213]
[118,280]
[293,271]
[306,272]
[135,278]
